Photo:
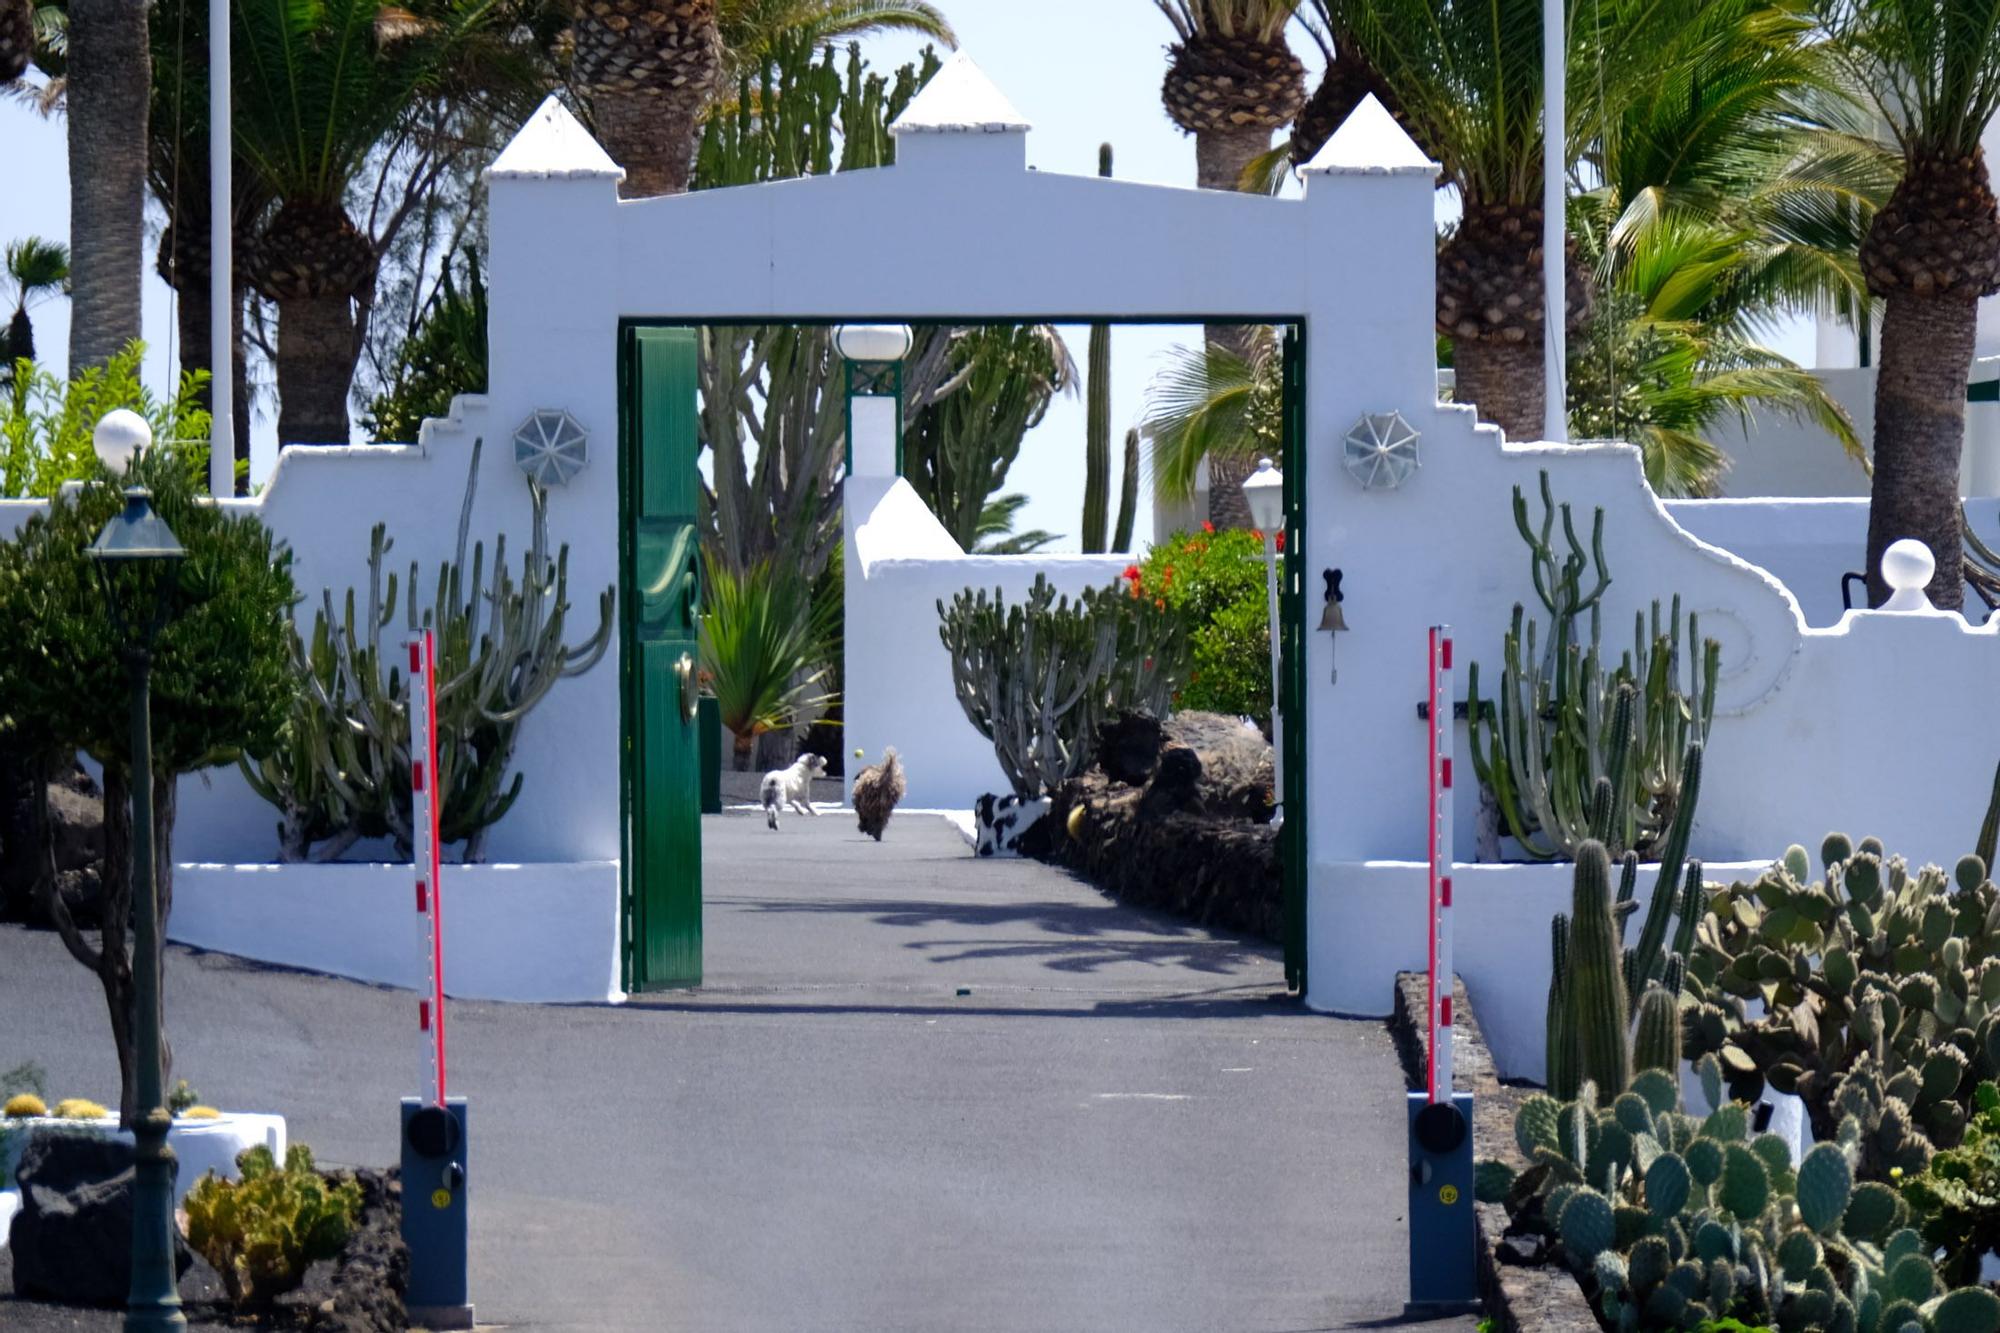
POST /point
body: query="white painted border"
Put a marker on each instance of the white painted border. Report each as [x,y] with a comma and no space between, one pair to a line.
[543,932]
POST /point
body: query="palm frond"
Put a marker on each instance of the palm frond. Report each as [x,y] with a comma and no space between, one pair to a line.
[1210,402]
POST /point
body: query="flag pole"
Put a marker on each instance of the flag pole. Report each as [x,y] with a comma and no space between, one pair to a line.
[1555,265]
[222,266]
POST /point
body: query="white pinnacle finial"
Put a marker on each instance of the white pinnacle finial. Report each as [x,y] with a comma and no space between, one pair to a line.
[1907,567]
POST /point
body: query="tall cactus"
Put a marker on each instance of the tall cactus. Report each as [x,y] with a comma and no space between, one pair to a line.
[1541,743]
[1595,991]
[1656,1042]
[1561,1049]
[342,771]
[1643,964]
[1097,422]
[1128,495]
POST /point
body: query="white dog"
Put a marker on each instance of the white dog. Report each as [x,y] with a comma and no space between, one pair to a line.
[791,786]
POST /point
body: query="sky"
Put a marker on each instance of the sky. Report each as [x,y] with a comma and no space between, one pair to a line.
[1083,72]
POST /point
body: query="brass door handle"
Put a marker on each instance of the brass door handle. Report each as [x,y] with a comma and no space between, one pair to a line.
[690,695]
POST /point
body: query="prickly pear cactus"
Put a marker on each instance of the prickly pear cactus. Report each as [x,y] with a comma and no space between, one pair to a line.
[1867,973]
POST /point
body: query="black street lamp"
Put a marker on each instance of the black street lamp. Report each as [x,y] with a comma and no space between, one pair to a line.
[136,539]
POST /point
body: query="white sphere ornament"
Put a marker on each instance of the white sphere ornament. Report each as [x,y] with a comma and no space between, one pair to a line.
[1907,567]
[121,436]
[551,447]
[1381,451]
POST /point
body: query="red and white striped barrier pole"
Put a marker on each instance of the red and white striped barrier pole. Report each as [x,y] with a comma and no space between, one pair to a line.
[424,830]
[1439,921]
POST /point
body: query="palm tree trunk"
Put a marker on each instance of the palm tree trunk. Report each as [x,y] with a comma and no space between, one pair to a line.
[110,84]
[653,137]
[1927,345]
[315,367]
[1504,380]
[1220,158]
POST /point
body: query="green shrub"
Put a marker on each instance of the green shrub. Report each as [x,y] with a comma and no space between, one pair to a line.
[1213,581]
[262,1233]
[46,422]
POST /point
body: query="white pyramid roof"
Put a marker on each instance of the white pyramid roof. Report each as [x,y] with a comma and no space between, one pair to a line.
[1370,142]
[960,99]
[554,145]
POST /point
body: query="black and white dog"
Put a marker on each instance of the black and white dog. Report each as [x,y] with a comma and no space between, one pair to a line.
[1002,821]
[791,786]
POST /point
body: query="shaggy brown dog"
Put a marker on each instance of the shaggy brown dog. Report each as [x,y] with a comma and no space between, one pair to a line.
[877,788]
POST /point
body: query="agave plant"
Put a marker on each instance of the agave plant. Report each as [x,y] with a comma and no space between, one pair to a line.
[766,647]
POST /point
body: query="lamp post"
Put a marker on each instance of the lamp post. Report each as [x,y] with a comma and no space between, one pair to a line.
[874,354]
[137,539]
[1264,492]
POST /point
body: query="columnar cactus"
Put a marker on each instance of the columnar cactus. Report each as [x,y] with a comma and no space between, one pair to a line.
[1038,677]
[1595,990]
[1656,1041]
[1543,742]
[342,769]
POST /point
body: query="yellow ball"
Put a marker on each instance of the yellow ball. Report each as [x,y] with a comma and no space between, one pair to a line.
[79,1108]
[23,1105]
[201,1113]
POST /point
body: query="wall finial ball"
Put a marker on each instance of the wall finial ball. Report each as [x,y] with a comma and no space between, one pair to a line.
[121,436]
[1907,567]
[1908,564]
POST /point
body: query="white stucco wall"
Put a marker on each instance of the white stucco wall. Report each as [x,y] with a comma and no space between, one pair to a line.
[511,932]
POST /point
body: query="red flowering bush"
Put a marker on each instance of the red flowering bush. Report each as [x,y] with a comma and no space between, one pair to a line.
[1214,582]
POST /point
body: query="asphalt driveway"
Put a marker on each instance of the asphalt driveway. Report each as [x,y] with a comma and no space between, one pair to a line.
[919,1091]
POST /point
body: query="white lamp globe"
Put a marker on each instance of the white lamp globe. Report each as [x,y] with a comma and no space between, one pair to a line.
[1264,492]
[1907,567]
[121,436]
[874,342]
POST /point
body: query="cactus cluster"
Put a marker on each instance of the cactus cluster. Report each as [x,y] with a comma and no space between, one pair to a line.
[1871,992]
[1547,739]
[1597,983]
[262,1232]
[1037,678]
[341,770]
[1671,1220]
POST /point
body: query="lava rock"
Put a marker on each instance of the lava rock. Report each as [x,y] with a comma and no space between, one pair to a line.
[1523,1249]
[72,1238]
[372,1276]
[1128,747]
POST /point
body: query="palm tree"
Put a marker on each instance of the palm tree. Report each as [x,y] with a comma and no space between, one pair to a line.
[109,74]
[34,270]
[1215,405]
[1231,81]
[1467,75]
[1932,70]
[327,89]
[650,69]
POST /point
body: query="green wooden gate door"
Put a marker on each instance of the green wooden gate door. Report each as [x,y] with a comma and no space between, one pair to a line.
[661,590]
[1292,645]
